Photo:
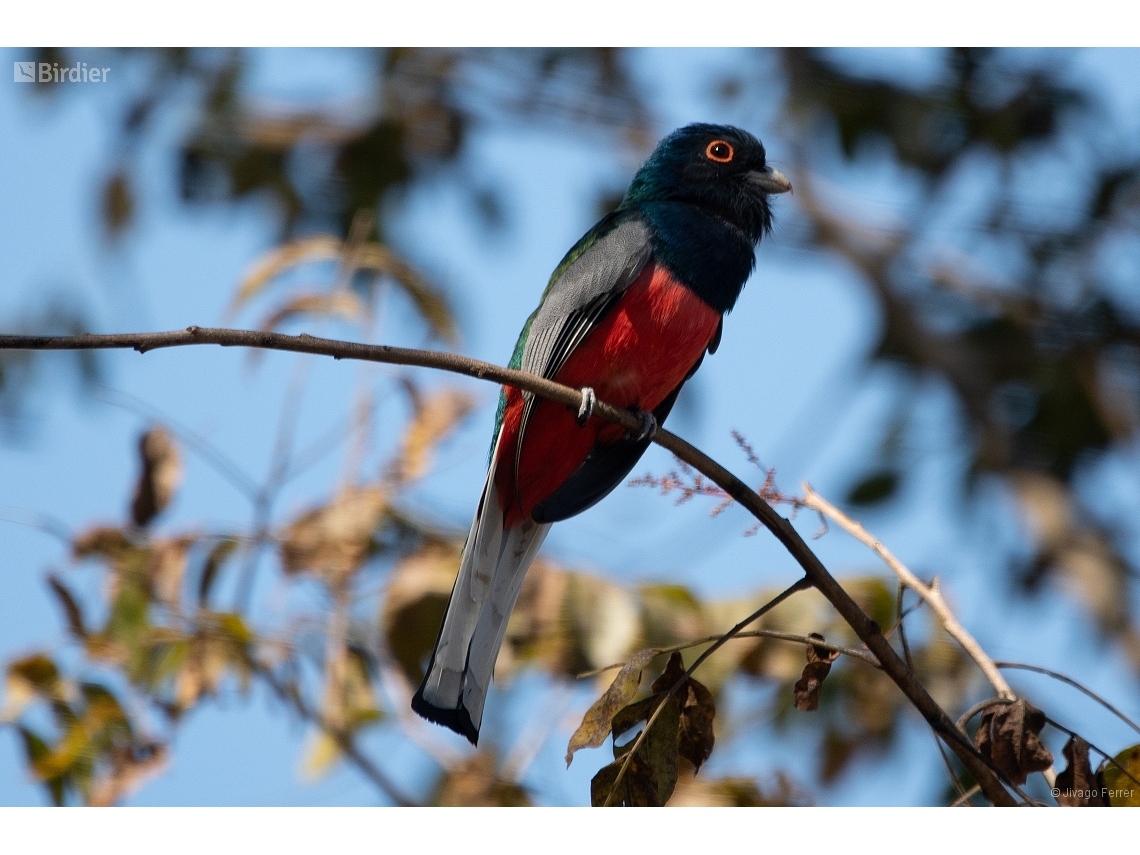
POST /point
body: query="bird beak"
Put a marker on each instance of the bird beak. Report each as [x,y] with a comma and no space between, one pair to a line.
[770,180]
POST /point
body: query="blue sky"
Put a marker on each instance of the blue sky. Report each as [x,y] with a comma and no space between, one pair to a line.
[793,345]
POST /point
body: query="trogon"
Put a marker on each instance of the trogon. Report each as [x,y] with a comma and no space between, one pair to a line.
[627,317]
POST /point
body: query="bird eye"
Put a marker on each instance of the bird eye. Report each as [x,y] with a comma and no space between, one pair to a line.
[720,151]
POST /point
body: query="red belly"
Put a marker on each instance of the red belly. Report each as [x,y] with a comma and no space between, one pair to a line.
[640,353]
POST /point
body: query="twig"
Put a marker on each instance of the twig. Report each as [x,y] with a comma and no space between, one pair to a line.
[1112,760]
[900,623]
[806,641]
[343,739]
[1021,666]
[864,627]
[214,457]
[930,593]
[964,799]
[801,585]
[965,717]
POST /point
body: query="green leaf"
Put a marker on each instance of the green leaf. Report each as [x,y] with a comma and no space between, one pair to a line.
[235,627]
[36,750]
[639,787]
[877,487]
[128,614]
[661,748]
[1122,790]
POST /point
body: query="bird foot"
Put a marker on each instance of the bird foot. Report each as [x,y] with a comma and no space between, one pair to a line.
[648,428]
[589,399]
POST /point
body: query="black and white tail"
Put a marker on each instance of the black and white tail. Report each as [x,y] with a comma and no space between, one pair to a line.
[490,577]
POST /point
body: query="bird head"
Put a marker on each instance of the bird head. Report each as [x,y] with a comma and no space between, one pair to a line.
[718,168]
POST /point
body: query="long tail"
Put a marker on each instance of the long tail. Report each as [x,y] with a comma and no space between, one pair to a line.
[490,577]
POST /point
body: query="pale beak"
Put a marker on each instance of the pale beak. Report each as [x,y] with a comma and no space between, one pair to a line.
[770,180]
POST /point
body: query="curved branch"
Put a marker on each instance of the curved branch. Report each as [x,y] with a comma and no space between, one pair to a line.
[1021,666]
[864,627]
[931,593]
[805,640]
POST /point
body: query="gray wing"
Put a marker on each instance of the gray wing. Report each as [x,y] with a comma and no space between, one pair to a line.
[577,301]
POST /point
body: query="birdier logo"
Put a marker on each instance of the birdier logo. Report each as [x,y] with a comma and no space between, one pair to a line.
[51,72]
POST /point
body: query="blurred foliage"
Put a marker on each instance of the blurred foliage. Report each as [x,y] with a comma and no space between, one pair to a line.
[1041,354]
[21,371]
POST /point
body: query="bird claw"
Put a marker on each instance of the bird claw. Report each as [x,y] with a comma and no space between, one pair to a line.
[648,428]
[589,399]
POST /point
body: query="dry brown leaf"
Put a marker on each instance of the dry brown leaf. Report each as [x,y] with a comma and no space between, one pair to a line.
[736,792]
[106,541]
[595,726]
[474,783]
[1078,785]
[221,551]
[166,567]
[670,614]
[416,600]
[280,259]
[130,768]
[341,304]
[333,541]
[696,736]
[161,473]
[536,630]
[28,678]
[430,303]
[660,746]
[602,620]
[70,607]
[118,203]
[190,683]
[435,417]
[1009,734]
[810,684]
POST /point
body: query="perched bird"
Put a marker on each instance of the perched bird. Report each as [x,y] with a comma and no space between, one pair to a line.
[627,317]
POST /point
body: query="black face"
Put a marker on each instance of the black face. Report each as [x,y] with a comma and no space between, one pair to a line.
[714,167]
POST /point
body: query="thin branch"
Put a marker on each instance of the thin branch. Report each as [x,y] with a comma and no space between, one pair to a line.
[1112,760]
[41,522]
[343,739]
[864,627]
[806,641]
[965,717]
[801,585]
[1021,666]
[930,593]
[964,799]
[900,623]
[221,463]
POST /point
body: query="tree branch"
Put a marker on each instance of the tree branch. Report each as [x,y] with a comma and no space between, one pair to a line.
[343,738]
[930,593]
[805,640]
[866,629]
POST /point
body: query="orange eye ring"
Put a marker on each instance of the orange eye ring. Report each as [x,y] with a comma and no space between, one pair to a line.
[719,151]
